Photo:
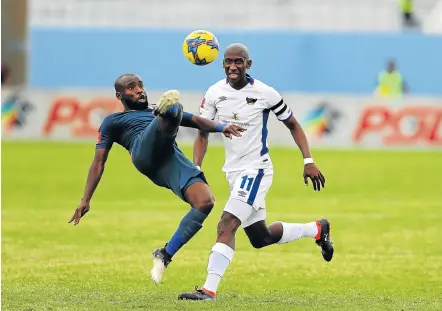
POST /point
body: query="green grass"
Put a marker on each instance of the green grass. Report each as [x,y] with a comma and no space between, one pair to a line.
[385,208]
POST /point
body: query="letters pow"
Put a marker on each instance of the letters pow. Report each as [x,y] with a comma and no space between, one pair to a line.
[390,123]
[70,112]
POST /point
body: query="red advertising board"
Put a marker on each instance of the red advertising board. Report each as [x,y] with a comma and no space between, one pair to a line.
[71,112]
[424,124]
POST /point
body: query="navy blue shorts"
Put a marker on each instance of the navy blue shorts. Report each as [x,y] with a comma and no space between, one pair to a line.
[158,157]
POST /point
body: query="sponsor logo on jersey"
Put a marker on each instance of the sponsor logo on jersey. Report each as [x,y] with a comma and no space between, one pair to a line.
[235,116]
[242,193]
[250,100]
[222,98]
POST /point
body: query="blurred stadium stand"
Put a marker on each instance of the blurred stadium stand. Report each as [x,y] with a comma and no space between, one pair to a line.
[317,15]
[316,41]
[432,24]
[324,56]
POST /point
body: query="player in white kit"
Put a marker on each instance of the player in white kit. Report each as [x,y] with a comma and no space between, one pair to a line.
[239,99]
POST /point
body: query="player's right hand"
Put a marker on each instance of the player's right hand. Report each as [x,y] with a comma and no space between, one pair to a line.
[234,130]
[80,211]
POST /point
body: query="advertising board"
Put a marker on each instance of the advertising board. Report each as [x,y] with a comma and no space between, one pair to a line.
[328,120]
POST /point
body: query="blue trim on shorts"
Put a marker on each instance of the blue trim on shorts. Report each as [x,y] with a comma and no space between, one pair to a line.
[255,187]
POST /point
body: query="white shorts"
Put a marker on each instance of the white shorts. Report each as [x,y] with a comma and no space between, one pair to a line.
[249,187]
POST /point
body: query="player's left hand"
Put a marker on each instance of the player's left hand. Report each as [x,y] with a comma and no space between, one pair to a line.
[80,211]
[315,175]
[234,130]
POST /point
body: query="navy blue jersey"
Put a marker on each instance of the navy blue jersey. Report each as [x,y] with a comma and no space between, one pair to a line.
[123,128]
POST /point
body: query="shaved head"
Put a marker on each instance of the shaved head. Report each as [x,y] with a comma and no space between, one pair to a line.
[237,49]
[121,81]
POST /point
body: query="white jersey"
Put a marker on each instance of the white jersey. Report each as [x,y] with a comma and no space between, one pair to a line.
[249,108]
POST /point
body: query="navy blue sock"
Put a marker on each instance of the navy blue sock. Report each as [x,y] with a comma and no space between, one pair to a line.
[174,114]
[191,223]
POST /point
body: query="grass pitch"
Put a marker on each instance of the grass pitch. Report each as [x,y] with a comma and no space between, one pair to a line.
[385,208]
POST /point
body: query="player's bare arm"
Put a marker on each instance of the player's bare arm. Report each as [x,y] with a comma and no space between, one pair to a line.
[210,126]
[310,169]
[95,172]
[200,148]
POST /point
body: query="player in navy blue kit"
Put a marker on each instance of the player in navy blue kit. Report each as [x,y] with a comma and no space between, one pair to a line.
[149,136]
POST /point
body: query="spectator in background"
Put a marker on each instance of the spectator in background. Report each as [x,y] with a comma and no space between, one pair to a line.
[390,82]
[407,12]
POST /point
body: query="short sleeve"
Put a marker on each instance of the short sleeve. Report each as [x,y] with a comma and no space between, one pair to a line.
[276,103]
[207,107]
[105,140]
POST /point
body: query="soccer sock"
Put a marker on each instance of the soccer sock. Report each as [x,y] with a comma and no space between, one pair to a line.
[292,232]
[219,260]
[174,114]
[191,223]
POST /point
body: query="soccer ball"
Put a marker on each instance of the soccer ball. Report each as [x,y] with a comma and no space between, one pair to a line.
[201,47]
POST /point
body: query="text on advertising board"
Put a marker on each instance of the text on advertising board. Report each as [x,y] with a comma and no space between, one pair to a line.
[402,126]
[69,111]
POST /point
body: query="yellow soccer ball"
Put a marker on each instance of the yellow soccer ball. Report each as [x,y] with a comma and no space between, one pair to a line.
[201,47]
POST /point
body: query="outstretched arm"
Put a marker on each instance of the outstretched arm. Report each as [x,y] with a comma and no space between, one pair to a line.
[95,172]
[210,126]
[203,124]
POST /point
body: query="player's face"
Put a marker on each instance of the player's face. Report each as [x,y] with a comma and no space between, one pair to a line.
[236,67]
[134,95]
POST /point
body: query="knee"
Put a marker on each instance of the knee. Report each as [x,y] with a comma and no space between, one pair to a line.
[228,225]
[256,243]
[204,204]
[260,243]
[259,239]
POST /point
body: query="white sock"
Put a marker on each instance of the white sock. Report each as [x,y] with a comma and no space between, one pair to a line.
[219,260]
[292,232]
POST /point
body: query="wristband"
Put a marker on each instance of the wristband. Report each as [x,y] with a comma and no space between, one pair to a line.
[187,116]
[220,126]
[308,161]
